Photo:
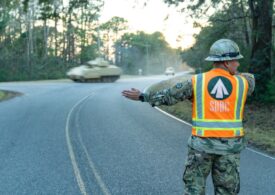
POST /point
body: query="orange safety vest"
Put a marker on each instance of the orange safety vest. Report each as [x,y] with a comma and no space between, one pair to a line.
[218,104]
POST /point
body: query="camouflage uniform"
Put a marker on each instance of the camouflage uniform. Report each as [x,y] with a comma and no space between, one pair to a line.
[225,172]
[219,155]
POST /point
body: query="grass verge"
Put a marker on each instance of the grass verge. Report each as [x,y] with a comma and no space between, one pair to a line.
[5,95]
[2,95]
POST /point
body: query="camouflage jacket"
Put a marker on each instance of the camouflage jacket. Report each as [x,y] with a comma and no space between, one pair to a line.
[182,91]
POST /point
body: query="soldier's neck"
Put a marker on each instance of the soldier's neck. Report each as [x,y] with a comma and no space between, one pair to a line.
[220,66]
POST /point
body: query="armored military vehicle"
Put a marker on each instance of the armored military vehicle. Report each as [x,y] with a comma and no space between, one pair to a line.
[98,70]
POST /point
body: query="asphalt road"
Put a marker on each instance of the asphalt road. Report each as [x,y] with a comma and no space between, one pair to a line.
[73,138]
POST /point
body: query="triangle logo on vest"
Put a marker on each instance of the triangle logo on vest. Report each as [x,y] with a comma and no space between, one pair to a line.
[219,88]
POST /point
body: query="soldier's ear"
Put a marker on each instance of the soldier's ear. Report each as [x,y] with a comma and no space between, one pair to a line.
[226,63]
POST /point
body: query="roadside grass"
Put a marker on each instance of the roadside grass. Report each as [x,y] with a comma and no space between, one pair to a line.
[259,119]
[259,123]
[5,95]
[2,95]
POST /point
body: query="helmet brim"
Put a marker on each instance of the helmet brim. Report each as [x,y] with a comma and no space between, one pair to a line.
[220,59]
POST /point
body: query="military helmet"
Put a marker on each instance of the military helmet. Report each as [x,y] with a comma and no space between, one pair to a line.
[224,50]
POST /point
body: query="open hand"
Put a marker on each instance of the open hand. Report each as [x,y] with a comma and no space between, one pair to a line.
[132,94]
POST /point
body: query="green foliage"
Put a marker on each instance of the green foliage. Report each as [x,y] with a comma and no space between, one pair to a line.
[270,95]
[115,24]
[221,26]
[261,59]
[50,68]
[143,41]
[174,2]
[246,22]
[32,50]
[88,53]
[110,32]
[149,52]
[4,19]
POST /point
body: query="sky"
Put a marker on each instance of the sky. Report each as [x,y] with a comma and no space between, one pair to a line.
[176,28]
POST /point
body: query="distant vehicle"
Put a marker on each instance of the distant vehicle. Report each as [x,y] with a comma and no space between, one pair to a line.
[169,71]
[98,70]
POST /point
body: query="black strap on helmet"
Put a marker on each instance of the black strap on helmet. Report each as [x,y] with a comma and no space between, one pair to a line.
[231,54]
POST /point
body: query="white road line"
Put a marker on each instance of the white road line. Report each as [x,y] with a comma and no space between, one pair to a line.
[77,174]
[182,121]
[172,116]
[265,155]
[92,165]
[95,172]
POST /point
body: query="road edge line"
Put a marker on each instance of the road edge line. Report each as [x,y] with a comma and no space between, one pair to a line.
[189,124]
[77,174]
[100,182]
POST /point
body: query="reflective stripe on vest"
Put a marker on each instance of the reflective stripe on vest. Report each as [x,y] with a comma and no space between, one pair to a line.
[214,117]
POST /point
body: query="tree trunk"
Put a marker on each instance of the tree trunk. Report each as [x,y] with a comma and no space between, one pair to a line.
[45,38]
[261,43]
[246,26]
[55,27]
[69,42]
[64,42]
[30,39]
[55,36]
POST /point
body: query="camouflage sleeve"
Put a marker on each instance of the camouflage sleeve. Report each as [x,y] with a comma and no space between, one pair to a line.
[251,82]
[179,92]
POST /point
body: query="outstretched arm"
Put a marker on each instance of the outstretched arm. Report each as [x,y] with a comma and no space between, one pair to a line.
[179,92]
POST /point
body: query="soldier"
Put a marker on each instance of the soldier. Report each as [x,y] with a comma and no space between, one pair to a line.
[218,98]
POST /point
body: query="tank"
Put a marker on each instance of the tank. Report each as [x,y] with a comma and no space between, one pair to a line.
[98,70]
